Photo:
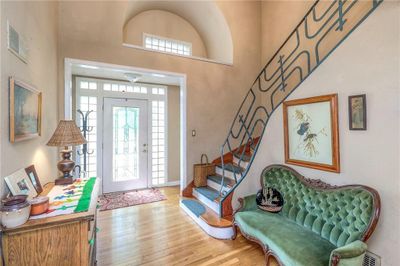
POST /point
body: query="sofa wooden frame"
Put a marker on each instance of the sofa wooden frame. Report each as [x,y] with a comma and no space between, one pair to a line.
[319,185]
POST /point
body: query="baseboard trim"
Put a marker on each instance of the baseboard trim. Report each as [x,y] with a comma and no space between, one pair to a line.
[169,184]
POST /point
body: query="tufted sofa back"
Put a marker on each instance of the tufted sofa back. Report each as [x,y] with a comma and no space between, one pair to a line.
[339,214]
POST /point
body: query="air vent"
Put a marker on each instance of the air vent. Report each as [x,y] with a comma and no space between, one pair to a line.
[371,259]
[15,43]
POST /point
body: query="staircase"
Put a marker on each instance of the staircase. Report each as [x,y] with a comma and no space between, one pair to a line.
[325,26]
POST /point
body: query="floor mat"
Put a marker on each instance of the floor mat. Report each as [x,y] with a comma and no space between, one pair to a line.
[115,200]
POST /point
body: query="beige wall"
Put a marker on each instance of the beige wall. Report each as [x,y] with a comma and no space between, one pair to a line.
[214,91]
[164,24]
[37,22]
[367,62]
[205,16]
[174,147]
[279,18]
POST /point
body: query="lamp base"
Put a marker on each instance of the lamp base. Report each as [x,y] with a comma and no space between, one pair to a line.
[64,181]
[66,165]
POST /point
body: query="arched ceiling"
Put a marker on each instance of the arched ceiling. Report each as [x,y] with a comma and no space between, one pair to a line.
[206,18]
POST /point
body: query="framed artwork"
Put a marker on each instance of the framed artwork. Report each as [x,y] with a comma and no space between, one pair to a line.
[358,112]
[25,111]
[31,172]
[20,184]
[311,132]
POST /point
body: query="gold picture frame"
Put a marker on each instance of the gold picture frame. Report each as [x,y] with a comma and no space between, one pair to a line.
[25,111]
[311,132]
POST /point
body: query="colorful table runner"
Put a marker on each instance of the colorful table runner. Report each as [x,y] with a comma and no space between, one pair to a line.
[69,198]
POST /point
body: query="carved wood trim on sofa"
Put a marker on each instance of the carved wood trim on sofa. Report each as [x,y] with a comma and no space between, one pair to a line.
[318,185]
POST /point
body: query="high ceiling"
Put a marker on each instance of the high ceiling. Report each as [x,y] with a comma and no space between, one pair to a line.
[206,18]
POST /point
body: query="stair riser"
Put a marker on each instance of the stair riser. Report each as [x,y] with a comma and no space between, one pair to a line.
[206,201]
[228,173]
[216,186]
[243,164]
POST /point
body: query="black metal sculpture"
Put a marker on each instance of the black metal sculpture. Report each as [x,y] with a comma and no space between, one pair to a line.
[85,130]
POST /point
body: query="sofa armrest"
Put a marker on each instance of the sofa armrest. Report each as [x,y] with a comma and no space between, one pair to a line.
[247,203]
[350,254]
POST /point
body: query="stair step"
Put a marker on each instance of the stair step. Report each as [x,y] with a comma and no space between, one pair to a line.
[208,220]
[194,206]
[245,158]
[208,192]
[228,174]
[217,179]
[253,146]
[208,196]
[231,167]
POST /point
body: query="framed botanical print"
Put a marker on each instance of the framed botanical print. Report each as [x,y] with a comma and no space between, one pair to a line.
[357,112]
[311,132]
[25,111]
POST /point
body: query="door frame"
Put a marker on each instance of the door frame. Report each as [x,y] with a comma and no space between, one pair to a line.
[68,100]
[148,141]
[101,95]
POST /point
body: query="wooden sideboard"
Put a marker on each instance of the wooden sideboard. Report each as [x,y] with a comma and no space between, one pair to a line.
[61,240]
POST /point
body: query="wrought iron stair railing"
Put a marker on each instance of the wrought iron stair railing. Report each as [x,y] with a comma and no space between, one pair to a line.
[325,26]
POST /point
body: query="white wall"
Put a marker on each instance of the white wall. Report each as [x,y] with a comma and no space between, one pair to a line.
[367,62]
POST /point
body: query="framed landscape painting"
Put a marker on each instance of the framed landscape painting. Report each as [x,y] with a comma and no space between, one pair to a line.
[311,132]
[25,111]
[357,112]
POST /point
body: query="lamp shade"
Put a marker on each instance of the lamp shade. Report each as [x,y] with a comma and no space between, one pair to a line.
[67,134]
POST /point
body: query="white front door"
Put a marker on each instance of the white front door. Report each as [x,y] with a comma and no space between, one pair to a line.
[125,144]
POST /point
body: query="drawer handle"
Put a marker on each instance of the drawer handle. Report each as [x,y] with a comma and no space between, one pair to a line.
[97,229]
[91,242]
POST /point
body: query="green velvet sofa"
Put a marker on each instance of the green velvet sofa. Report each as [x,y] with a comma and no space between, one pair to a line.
[319,224]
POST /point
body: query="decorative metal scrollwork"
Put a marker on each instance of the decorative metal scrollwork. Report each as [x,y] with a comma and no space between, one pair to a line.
[320,32]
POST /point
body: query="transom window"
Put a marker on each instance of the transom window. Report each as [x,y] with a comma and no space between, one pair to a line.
[167,45]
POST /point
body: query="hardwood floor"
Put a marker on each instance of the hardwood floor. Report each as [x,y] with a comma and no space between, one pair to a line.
[161,233]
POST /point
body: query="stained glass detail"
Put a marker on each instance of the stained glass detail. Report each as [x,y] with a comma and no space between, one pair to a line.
[125,143]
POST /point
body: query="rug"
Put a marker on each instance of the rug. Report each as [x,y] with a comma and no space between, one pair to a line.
[116,200]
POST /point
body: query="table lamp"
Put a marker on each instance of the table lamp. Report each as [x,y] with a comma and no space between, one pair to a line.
[66,134]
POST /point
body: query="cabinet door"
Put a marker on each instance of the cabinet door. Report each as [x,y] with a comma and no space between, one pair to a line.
[53,245]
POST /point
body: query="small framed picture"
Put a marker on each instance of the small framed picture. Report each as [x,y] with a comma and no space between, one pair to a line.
[31,172]
[20,184]
[25,111]
[357,112]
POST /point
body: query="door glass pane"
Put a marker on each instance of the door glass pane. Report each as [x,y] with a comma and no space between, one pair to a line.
[125,143]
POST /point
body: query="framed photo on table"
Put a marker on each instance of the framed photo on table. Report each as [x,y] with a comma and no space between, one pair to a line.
[31,172]
[25,111]
[311,132]
[20,184]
